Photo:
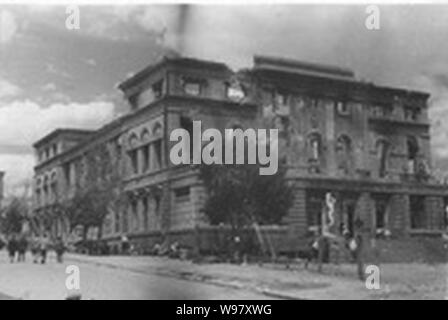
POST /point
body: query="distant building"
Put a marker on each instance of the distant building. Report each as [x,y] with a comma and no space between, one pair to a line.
[366,144]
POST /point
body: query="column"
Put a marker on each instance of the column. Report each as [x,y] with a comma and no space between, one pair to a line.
[365,210]
[141,160]
[399,218]
[296,216]
[329,138]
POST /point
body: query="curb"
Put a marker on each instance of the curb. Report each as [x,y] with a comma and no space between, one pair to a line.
[195,278]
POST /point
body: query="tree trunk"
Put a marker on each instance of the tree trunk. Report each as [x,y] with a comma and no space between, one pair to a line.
[100,232]
[85,229]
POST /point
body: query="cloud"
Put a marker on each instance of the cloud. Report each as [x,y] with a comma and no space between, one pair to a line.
[19,172]
[24,122]
[91,62]
[8,89]
[49,87]
[8,26]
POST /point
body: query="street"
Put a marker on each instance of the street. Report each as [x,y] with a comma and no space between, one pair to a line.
[149,277]
[42,282]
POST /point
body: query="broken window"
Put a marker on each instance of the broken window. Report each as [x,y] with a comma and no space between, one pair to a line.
[235,91]
[192,87]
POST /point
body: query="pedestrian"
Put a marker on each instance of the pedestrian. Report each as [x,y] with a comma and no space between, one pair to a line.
[125,246]
[313,250]
[59,248]
[22,246]
[35,249]
[43,247]
[359,248]
[12,247]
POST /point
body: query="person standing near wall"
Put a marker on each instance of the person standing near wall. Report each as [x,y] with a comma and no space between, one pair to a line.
[43,246]
[359,248]
[12,247]
[22,245]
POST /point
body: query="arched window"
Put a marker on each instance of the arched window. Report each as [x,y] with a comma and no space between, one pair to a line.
[145,136]
[344,154]
[412,152]
[157,129]
[382,148]
[157,132]
[314,146]
[314,152]
[133,140]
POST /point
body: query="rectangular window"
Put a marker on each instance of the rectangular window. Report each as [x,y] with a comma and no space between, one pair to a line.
[417,212]
[117,222]
[134,161]
[192,87]
[281,99]
[145,151]
[342,108]
[135,222]
[314,202]
[145,214]
[182,194]
[411,113]
[158,154]
[67,174]
[157,89]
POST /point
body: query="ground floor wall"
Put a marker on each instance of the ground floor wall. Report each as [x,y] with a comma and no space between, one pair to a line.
[379,210]
[171,211]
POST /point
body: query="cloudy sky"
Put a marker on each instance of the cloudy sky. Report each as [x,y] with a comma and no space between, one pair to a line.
[54,77]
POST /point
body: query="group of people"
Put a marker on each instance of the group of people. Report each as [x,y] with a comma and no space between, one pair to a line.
[18,245]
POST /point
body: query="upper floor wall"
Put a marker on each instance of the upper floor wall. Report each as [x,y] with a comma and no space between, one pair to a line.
[329,123]
[58,142]
[184,77]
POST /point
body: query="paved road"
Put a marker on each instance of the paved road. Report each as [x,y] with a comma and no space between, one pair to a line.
[35,281]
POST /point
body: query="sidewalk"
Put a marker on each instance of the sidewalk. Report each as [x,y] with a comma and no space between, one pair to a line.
[272,280]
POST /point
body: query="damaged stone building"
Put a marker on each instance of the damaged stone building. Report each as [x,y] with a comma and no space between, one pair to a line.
[366,144]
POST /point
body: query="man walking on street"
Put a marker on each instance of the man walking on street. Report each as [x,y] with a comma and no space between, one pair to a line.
[59,248]
[22,245]
[35,248]
[12,247]
[44,244]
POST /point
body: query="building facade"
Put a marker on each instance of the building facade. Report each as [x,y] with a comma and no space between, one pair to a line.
[368,145]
